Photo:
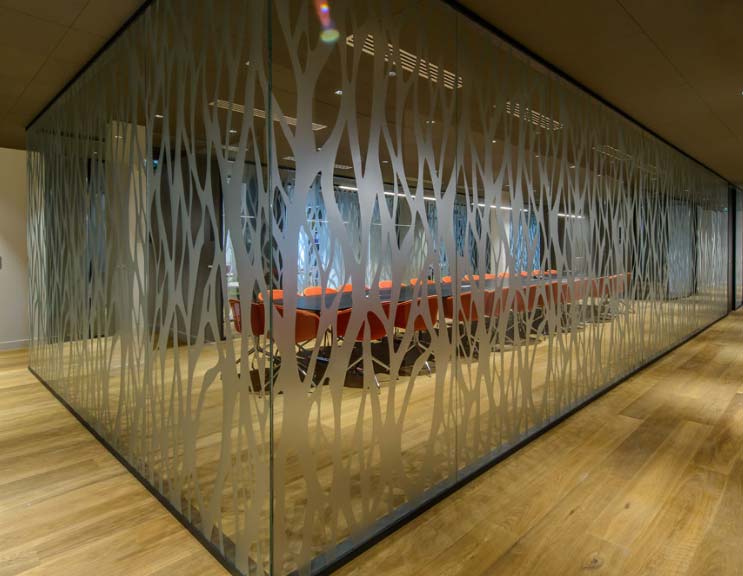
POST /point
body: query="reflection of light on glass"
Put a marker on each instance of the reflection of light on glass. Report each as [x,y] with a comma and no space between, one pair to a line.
[329,33]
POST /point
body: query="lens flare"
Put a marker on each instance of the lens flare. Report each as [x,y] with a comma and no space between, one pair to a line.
[329,33]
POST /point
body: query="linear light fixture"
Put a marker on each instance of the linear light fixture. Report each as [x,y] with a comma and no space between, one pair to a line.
[410,62]
[480,204]
[336,166]
[611,152]
[536,118]
[258,113]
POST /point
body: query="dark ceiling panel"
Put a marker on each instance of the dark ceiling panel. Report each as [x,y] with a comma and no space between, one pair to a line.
[673,66]
[43,44]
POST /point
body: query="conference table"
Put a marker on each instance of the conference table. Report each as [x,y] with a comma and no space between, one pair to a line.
[345,300]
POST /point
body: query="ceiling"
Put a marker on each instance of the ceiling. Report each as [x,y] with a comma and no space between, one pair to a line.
[673,67]
[43,44]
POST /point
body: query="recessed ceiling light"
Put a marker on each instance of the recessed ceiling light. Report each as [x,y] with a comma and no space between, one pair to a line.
[430,121]
[493,141]
[391,73]
[338,92]
[536,155]
[159,116]
[247,63]
[233,131]
[385,161]
[572,166]
[319,148]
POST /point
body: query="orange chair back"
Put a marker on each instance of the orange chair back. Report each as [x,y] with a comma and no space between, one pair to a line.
[551,295]
[237,317]
[318,291]
[446,279]
[402,314]
[467,309]
[598,287]
[526,299]
[415,281]
[306,327]
[385,284]
[275,295]
[377,327]
[257,318]
[500,302]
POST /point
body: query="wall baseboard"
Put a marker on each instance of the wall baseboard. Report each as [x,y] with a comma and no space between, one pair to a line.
[14,344]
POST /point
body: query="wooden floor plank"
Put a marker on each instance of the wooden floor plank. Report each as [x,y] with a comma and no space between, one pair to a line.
[667,441]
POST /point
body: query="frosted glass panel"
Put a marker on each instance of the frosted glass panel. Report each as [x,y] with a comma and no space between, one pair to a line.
[305,265]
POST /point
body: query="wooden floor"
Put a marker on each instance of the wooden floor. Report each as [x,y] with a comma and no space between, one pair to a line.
[646,480]
[67,507]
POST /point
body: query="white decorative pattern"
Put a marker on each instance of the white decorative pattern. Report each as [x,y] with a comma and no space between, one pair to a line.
[415,148]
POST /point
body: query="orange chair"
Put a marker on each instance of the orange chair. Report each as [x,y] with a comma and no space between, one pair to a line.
[489,277]
[537,273]
[377,330]
[349,288]
[473,278]
[468,313]
[527,300]
[318,291]
[415,281]
[306,328]
[503,275]
[418,325]
[446,280]
[467,309]
[524,274]
[257,320]
[257,317]
[553,272]
[599,287]
[385,284]
[497,306]
[237,318]
[275,295]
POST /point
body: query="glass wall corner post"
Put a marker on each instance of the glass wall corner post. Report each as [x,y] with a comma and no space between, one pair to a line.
[738,249]
[364,131]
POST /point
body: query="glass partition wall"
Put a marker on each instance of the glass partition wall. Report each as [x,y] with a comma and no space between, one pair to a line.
[305,265]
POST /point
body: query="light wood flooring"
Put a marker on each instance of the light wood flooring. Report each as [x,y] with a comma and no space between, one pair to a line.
[67,506]
[648,479]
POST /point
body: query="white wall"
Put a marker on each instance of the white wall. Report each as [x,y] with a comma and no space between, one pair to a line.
[14,270]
